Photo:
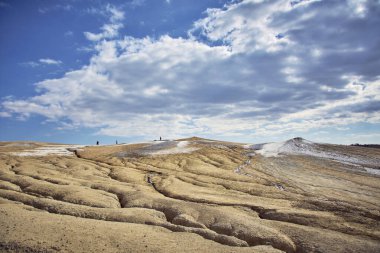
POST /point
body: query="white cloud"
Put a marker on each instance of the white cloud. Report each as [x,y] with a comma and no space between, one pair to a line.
[111,29]
[32,64]
[359,96]
[5,115]
[359,7]
[154,91]
[85,49]
[244,26]
[69,33]
[234,76]
[57,7]
[108,31]
[42,61]
[49,61]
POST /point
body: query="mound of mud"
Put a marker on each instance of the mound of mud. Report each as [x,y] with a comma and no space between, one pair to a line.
[189,195]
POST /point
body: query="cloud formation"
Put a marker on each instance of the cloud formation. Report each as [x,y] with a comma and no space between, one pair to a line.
[42,61]
[49,61]
[251,67]
[57,7]
[110,30]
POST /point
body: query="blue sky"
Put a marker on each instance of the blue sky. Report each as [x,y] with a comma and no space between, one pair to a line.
[251,71]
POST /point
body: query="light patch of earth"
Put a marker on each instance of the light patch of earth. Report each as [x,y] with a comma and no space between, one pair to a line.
[180,147]
[59,150]
[344,154]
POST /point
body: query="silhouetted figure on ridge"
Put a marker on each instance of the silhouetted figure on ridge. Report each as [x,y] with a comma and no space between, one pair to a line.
[97,142]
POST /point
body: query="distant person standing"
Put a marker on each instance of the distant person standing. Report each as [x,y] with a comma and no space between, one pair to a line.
[160,138]
[97,142]
[116,142]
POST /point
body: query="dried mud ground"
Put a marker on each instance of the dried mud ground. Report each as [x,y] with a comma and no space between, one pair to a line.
[209,196]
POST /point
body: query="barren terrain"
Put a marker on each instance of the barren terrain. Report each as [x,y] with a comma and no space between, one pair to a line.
[189,195]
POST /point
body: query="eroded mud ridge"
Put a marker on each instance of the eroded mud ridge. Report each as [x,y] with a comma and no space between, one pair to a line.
[191,195]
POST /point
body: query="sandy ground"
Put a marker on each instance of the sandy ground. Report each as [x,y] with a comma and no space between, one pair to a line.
[190,195]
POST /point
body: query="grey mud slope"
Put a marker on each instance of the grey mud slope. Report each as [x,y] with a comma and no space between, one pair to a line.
[192,195]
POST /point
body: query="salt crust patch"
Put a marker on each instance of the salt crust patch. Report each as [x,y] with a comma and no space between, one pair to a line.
[303,147]
[182,147]
[59,150]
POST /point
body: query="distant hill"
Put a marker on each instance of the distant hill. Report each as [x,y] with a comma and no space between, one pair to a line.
[366,145]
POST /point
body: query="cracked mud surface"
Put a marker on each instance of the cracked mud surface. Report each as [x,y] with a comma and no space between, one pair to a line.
[216,198]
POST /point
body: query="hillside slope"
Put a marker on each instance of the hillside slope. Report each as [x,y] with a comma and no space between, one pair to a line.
[189,195]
